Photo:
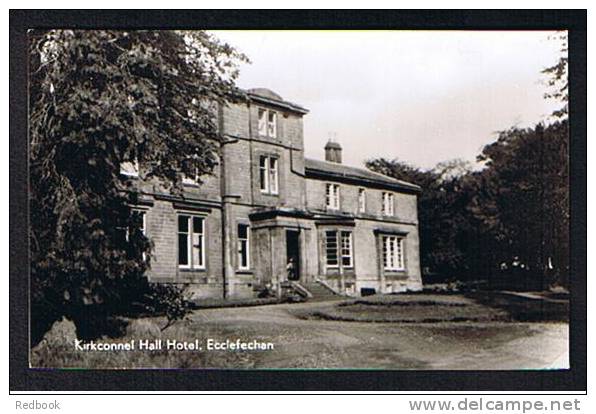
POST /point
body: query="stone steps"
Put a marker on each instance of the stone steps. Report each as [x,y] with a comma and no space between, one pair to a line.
[313,291]
[319,291]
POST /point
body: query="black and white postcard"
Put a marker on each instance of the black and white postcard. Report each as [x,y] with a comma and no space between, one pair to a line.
[389,200]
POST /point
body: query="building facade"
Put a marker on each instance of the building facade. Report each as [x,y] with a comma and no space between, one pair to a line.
[268,215]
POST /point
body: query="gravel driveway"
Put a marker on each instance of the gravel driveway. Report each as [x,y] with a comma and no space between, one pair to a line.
[331,344]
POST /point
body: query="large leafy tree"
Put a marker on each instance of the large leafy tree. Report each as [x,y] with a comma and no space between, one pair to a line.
[100,99]
[476,224]
[523,199]
[557,77]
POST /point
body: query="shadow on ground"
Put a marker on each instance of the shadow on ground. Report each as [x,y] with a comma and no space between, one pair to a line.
[525,307]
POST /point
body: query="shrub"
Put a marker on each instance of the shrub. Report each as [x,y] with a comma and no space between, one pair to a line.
[167,300]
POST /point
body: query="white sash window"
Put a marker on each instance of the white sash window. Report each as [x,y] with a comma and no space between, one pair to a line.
[243,247]
[393,253]
[338,249]
[268,175]
[267,123]
[191,242]
[388,204]
[361,200]
[332,196]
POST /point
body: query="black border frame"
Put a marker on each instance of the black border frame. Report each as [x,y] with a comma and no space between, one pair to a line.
[24,379]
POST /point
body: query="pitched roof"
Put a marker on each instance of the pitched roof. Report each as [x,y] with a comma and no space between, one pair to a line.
[267,96]
[354,174]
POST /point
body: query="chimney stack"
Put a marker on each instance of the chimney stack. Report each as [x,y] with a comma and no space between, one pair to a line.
[333,151]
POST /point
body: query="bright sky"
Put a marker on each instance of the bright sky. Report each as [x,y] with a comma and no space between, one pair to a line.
[420,96]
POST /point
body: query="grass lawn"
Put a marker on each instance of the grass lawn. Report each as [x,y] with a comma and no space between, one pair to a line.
[407,308]
[435,308]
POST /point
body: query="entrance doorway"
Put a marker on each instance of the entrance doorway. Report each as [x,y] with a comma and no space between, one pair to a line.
[293,254]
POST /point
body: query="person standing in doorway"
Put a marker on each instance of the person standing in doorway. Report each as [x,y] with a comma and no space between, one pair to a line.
[291,269]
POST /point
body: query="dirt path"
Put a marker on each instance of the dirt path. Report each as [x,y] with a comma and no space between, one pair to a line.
[331,344]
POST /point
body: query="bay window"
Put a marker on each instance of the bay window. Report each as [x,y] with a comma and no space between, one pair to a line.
[331,249]
[346,248]
[338,249]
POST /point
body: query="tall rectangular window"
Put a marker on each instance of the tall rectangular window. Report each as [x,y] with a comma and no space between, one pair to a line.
[273,182]
[262,122]
[140,223]
[139,220]
[268,175]
[194,178]
[137,224]
[332,196]
[272,124]
[393,253]
[361,200]
[338,249]
[264,174]
[388,204]
[243,247]
[346,249]
[267,124]
[191,242]
[331,249]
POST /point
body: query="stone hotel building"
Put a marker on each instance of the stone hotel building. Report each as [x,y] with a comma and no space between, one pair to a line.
[269,217]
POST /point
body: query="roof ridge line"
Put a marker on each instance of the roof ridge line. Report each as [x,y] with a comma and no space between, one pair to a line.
[387,179]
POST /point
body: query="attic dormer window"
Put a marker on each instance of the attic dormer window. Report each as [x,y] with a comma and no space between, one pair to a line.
[267,123]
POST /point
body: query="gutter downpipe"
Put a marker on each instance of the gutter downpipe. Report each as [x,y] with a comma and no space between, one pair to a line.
[227,269]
